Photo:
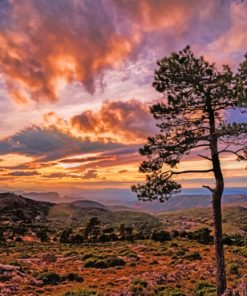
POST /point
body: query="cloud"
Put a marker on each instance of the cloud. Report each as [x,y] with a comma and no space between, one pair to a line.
[90,174]
[46,45]
[23,173]
[84,159]
[130,120]
[123,171]
[125,156]
[30,166]
[231,45]
[49,144]
[56,175]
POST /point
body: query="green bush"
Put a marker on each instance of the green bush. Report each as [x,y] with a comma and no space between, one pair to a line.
[233,240]
[104,263]
[193,256]
[141,288]
[181,252]
[50,278]
[138,286]
[160,236]
[73,277]
[89,255]
[202,236]
[130,254]
[205,288]
[234,269]
[95,263]
[83,292]
[170,292]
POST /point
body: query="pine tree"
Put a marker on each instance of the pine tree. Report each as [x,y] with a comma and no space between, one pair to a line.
[192,120]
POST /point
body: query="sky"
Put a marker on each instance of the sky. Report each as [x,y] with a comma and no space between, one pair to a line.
[76,85]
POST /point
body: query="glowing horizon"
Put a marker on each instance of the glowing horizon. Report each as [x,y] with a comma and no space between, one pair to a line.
[75,85]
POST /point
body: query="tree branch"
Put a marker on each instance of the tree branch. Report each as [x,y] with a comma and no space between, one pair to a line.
[192,171]
[208,187]
[232,151]
[206,157]
[187,172]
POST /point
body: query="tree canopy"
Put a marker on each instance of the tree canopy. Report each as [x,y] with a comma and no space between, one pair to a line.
[195,93]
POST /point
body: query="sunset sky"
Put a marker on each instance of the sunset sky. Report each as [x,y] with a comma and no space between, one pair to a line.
[76,85]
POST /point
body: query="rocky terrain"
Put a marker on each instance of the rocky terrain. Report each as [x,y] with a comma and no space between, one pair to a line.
[177,267]
[85,248]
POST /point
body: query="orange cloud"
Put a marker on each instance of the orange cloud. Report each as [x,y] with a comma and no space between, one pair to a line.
[46,45]
[129,121]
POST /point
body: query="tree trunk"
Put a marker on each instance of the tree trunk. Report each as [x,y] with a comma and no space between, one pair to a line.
[217,195]
[219,248]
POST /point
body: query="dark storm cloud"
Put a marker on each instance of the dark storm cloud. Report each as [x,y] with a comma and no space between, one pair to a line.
[47,144]
[23,173]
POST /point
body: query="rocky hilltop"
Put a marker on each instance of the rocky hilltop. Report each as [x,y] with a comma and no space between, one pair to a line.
[15,208]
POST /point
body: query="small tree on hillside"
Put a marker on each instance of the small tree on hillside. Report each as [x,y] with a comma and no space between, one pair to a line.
[192,119]
[92,229]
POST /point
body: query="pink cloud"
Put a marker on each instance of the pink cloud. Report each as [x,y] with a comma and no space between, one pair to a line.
[130,120]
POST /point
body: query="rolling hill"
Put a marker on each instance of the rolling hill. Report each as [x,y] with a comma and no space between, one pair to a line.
[15,208]
[124,200]
[233,218]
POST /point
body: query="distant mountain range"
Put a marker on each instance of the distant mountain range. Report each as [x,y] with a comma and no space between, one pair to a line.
[16,208]
[191,201]
[181,211]
[128,202]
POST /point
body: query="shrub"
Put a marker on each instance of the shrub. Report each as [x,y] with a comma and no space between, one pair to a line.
[202,236]
[205,288]
[73,277]
[83,292]
[71,253]
[130,254]
[141,288]
[104,263]
[138,286]
[76,239]
[115,261]
[181,252]
[50,278]
[174,233]
[42,235]
[160,236]
[95,263]
[65,236]
[87,256]
[234,269]
[154,262]
[193,256]
[233,240]
[170,292]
